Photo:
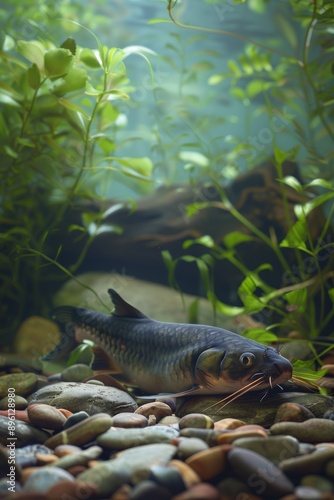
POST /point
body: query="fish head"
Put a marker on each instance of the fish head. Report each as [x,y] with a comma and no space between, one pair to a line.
[260,367]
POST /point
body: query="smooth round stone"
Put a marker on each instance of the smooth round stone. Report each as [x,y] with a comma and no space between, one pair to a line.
[157,408]
[329,415]
[106,477]
[140,460]
[317,482]
[129,420]
[36,336]
[76,373]
[307,493]
[189,476]
[209,463]
[26,456]
[329,468]
[171,421]
[189,446]
[68,489]
[311,463]
[274,448]
[83,432]
[19,402]
[66,449]
[94,382]
[200,492]
[266,478]
[167,477]
[196,420]
[120,439]
[293,412]
[149,490]
[228,424]
[233,488]
[80,458]
[315,430]
[78,396]
[24,433]
[42,480]
[77,417]
[46,416]
[23,383]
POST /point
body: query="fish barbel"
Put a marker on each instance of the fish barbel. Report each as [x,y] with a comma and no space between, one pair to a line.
[172,358]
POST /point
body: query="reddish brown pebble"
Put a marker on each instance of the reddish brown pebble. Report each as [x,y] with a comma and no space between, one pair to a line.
[46,416]
[45,458]
[129,420]
[293,412]
[202,491]
[158,409]
[66,413]
[75,470]
[228,424]
[122,493]
[19,415]
[244,431]
[196,420]
[209,463]
[189,476]
[72,490]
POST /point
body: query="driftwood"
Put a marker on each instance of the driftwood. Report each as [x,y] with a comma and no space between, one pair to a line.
[160,222]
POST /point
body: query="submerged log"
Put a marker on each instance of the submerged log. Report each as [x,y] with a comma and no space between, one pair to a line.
[160,222]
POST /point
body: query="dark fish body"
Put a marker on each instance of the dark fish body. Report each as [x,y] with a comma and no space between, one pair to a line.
[163,357]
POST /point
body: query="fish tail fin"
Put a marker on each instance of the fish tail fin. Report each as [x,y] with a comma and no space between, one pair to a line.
[65,317]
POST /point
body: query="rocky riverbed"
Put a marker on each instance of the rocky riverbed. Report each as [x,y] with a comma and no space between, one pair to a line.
[89,440]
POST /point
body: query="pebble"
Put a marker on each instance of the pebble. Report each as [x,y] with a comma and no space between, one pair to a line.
[149,490]
[188,474]
[43,479]
[318,482]
[66,449]
[315,430]
[228,424]
[129,420]
[169,478]
[106,477]
[46,416]
[171,421]
[75,418]
[76,373]
[19,402]
[158,409]
[119,439]
[262,476]
[36,336]
[23,383]
[71,490]
[78,396]
[209,463]
[80,458]
[196,420]
[82,432]
[189,446]
[274,448]
[202,491]
[213,437]
[24,433]
[293,412]
[308,464]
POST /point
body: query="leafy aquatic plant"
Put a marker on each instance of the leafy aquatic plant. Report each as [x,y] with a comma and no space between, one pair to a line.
[59,127]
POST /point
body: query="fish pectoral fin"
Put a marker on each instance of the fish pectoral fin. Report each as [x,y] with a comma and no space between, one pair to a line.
[187,392]
[208,366]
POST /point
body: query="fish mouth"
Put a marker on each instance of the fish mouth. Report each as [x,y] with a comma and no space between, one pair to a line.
[276,374]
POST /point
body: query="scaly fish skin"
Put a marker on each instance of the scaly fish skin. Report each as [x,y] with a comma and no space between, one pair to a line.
[172,357]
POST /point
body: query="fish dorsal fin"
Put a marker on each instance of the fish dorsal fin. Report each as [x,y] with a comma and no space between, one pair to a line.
[122,308]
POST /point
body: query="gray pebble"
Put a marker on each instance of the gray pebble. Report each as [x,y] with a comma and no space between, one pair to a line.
[149,490]
[167,477]
[307,493]
[77,417]
[77,396]
[42,480]
[80,458]
[20,403]
[24,433]
[260,474]
[120,439]
[189,446]
[311,463]
[315,430]
[274,448]
[76,373]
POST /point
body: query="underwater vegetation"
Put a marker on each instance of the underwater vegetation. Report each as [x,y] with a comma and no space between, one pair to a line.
[111,102]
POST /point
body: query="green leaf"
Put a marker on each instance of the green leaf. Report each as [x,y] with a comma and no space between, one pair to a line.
[194,157]
[89,58]
[320,182]
[74,80]
[159,20]
[296,236]
[297,299]
[288,31]
[32,52]
[292,182]
[70,45]
[34,77]
[58,62]
[73,107]
[228,310]
[260,335]
[142,166]
[235,238]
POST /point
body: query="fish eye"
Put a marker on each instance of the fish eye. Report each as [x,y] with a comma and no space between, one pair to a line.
[247,359]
